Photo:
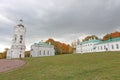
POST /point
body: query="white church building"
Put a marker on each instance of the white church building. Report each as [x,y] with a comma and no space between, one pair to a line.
[18,43]
[93,45]
[42,49]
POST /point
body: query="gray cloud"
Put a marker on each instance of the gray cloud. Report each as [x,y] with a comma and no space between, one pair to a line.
[64,20]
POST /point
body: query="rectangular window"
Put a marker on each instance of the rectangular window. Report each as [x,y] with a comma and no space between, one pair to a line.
[48,52]
[112,46]
[117,46]
[44,52]
[98,47]
[40,53]
[101,47]
[105,47]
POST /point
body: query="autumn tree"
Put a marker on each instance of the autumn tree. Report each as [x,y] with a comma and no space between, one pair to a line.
[1,56]
[115,34]
[90,37]
[69,49]
[56,44]
[60,48]
[5,52]
[111,35]
[27,53]
[107,36]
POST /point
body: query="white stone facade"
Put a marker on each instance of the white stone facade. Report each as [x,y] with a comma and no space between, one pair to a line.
[98,46]
[42,49]
[110,45]
[18,46]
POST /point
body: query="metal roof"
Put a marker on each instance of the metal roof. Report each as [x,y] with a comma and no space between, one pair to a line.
[43,44]
[110,40]
[91,41]
[100,41]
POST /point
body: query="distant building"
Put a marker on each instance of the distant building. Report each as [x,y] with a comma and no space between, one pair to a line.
[18,46]
[98,46]
[42,49]
[108,45]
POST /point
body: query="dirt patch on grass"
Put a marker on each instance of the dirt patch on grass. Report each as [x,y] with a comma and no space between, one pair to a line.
[7,65]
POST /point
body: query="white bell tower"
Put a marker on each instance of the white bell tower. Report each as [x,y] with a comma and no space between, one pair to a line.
[18,46]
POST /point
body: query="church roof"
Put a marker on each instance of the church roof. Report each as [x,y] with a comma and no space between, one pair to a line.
[43,44]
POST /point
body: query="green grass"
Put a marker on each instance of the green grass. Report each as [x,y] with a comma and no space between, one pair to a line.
[96,66]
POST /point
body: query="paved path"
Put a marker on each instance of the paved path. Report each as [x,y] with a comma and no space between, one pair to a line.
[6,65]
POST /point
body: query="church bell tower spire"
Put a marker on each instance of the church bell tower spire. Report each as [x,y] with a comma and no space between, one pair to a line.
[18,46]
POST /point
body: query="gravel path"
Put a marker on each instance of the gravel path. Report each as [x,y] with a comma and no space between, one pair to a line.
[6,65]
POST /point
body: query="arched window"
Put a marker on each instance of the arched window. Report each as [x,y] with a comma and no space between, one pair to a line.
[20,41]
[21,37]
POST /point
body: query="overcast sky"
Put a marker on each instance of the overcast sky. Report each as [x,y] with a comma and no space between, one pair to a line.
[62,20]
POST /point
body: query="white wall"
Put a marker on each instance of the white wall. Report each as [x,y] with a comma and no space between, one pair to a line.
[108,46]
[37,51]
[93,47]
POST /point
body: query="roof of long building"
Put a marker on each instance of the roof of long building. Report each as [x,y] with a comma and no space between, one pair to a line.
[90,41]
[100,41]
[110,40]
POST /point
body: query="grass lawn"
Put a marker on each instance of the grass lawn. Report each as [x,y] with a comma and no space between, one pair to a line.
[93,66]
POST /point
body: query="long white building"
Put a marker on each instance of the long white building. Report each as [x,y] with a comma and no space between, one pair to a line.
[98,46]
[42,49]
[18,45]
